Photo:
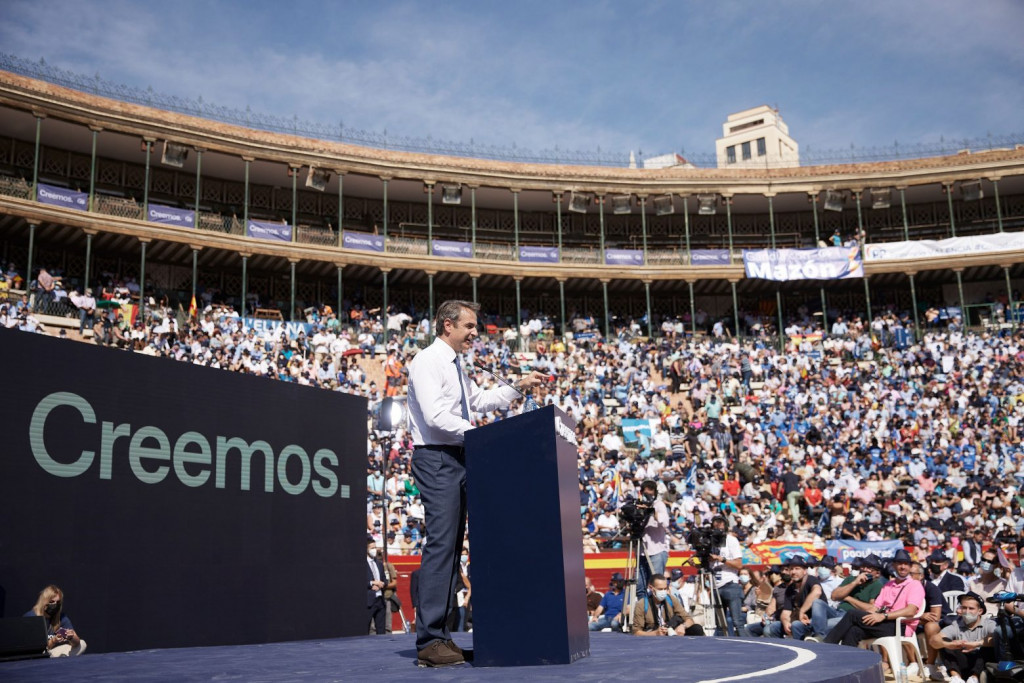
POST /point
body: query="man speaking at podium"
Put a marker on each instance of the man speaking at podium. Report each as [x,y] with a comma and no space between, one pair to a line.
[440,399]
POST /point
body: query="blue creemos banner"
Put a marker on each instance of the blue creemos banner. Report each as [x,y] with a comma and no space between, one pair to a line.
[452,249]
[536,254]
[168,215]
[710,257]
[846,551]
[782,265]
[362,241]
[623,257]
[265,230]
[60,196]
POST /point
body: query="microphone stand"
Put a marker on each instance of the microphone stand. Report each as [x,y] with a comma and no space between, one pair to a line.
[504,381]
[529,403]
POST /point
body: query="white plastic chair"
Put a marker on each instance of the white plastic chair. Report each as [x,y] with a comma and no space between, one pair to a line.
[893,645]
[952,599]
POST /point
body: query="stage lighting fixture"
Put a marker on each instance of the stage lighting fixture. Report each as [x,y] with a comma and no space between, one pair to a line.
[622,203]
[578,202]
[834,200]
[663,205]
[971,191]
[174,154]
[317,178]
[881,197]
[707,204]
[451,194]
[392,414]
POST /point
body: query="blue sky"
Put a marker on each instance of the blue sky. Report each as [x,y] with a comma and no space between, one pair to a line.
[652,76]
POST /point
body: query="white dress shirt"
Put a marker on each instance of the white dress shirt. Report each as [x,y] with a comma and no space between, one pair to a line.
[435,398]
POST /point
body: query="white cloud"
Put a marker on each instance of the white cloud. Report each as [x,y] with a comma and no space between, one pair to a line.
[658,76]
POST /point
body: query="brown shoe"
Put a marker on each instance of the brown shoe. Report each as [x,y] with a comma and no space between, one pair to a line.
[438,653]
[466,654]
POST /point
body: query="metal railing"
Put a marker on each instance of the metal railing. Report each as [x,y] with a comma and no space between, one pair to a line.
[324,237]
[15,187]
[384,140]
[122,207]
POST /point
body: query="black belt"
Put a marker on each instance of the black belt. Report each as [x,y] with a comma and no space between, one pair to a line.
[450,449]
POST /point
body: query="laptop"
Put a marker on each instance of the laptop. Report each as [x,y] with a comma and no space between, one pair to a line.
[22,638]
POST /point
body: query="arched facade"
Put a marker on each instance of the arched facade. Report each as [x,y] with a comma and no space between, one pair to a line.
[112,151]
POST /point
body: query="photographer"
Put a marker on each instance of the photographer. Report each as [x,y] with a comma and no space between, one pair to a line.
[658,614]
[655,535]
[726,562]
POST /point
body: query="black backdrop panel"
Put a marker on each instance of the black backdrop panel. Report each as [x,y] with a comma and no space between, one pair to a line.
[177,505]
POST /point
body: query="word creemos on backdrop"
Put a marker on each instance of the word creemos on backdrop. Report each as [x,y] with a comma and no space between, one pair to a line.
[192,456]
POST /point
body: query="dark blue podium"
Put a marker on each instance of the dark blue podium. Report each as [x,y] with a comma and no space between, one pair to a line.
[529,596]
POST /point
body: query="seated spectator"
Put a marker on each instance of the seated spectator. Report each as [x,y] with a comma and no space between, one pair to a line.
[593,597]
[966,645]
[930,624]
[61,638]
[802,594]
[860,589]
[899,597]
[657,614]
[988,582]
[608,614]
[771,622]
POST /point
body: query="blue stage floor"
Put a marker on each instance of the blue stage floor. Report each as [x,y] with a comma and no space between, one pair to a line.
[392,658]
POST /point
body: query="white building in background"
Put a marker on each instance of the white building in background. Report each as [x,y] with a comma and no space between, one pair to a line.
[756,138]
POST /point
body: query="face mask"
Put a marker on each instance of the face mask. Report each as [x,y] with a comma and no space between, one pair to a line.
[824,573]
[936,569]
[998,572]
[677,584]
[372,552]
[985,566]
[969,619]
[744,579]
[52,608]
[465,559]
[854,572]
[660,595]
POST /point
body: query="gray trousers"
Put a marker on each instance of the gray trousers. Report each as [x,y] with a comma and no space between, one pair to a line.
[440,474]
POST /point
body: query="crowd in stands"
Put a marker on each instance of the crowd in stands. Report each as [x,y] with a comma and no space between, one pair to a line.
[864,433]
[854,436]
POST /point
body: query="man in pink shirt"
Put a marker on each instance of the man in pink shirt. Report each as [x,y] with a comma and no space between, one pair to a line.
[900,597]
[864,494]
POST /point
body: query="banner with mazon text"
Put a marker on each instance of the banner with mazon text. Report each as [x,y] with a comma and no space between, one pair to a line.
[785,265]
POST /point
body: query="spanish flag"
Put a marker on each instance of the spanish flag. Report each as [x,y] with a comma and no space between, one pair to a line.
[192,310]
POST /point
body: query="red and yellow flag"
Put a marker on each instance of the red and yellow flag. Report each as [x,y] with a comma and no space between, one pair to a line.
[192,310]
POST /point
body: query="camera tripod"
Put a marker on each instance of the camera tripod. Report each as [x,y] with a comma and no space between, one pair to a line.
[707,596]
[635,556]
